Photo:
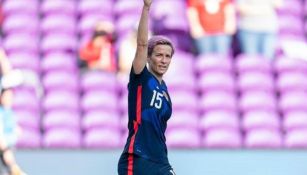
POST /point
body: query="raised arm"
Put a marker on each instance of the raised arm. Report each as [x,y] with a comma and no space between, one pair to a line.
[140,58]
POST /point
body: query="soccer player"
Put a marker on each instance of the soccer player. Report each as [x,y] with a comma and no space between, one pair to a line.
[149,105]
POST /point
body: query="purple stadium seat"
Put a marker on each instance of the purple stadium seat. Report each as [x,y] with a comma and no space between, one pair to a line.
[257,100]
[87,7]
[219,119]
[213,62]
[102,138]
[126,23]
[58,6]
[25,60]
[285,64]
[22,7]
[255,81]
[293,101]
[174,20]
[260,119]
[58,62]
[217,100]
[60,80]
[61,119]
[124,122]
[123,102]
[58,42]
[27,119]
[99,119]
[263,138]
[21,42]
[29,138]
[62,138]
[87,22]
[58,23]
[305,7]
[98,80]
[183,82]
[25,100]
[181,59]
[252,63]
[179,101]
[214,80]
[296,139]
[122,83]
[183,138]
[222,138]
[292,7]
[60,100]
[290,24]
[161,8]
[295,120]
[291,81]
[183,119]
[175,24]
[17,23]
[93,100]
[123,7]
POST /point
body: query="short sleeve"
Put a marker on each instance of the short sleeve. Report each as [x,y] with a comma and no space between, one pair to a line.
[145,74]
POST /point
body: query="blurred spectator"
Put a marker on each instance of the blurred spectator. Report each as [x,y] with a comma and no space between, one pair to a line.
[126,52]
[212,24]
[8,134]
[258,26]
[7,118]
[98,52]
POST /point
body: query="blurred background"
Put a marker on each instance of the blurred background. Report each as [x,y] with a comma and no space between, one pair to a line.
[238,82]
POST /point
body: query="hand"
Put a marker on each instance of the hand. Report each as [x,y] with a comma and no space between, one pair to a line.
[147,3]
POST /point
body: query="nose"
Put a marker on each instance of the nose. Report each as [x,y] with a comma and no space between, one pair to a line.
[163,59]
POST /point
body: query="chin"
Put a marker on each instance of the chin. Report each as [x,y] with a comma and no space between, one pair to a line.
[162,73]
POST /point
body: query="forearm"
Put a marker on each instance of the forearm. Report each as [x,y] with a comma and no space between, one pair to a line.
[230,19]
[142,34]
[140,58]
[194,23]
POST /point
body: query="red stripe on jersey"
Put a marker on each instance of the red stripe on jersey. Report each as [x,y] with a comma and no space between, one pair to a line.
[136,128]
[130,164]
[139,105]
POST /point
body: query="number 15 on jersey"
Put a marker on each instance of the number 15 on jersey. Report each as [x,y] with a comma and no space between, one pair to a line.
[156,99]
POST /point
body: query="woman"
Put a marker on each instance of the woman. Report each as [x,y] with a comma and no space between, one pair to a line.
[212,24]
[98,53]
[8,164]
[258,26]
[149,105]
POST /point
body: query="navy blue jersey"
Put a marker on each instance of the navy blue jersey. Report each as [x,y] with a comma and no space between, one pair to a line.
[149,108]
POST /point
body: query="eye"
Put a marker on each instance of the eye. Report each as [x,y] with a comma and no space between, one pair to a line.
[159,55]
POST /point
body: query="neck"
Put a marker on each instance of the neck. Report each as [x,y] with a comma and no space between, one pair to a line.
[159,77]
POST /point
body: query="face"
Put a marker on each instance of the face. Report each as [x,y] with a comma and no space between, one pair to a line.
[160,59]
[99,41]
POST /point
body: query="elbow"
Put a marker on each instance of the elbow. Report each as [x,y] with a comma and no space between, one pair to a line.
[142,43]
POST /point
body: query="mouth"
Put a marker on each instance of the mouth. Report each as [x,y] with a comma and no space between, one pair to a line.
[162,67]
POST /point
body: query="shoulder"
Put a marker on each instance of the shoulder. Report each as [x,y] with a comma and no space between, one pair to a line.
[142,75]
